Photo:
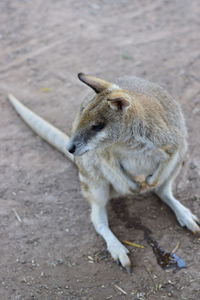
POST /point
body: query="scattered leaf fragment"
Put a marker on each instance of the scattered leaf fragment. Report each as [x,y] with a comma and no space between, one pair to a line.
[17,215]
[46,90]
[126,56]
[176,247]
[132,244]
[90,257]
[120,289]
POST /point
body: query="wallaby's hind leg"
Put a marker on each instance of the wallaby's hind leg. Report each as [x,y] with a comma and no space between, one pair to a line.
[184,216]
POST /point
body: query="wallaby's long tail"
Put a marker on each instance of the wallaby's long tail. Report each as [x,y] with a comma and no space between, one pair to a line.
[45,130]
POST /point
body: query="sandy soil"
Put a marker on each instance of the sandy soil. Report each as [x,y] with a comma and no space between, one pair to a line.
[52,252]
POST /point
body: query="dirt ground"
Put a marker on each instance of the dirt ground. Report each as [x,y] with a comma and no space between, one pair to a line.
[48,247]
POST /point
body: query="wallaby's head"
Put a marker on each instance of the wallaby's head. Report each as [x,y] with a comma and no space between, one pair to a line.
[102,120]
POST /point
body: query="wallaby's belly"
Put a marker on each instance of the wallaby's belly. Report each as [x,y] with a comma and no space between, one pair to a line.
[120,171]
[124,172]
[140,165]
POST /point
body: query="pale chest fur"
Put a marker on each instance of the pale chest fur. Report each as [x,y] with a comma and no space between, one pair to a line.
[121,168]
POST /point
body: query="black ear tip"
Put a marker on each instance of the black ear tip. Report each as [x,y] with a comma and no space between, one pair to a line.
[81,75]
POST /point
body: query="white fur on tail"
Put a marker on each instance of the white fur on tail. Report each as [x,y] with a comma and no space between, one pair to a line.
[45,130]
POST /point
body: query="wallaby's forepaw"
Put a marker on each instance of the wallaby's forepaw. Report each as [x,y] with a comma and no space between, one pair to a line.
[119,254]
[151,181]
[186,219]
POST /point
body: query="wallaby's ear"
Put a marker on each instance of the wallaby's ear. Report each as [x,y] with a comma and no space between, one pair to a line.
[118,101]
[97,84]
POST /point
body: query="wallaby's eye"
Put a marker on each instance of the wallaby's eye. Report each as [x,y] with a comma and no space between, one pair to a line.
[98,127]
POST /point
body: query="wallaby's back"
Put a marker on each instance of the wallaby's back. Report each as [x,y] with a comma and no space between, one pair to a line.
[151,89]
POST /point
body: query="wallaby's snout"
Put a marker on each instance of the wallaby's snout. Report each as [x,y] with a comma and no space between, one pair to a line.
[72,148]
[77,145]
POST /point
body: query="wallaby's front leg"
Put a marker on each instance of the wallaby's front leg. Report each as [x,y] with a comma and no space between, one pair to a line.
[97,193]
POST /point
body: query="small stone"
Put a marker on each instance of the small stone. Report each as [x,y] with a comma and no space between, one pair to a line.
[192,165]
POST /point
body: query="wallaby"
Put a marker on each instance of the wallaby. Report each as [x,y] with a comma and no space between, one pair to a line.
[128,137]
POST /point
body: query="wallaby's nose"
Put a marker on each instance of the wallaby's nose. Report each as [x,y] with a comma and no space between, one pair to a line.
[72,148]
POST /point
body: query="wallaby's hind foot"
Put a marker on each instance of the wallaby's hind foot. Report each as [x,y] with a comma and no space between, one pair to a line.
[184,216]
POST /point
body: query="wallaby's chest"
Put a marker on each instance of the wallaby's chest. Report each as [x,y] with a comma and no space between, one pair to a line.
[122,171]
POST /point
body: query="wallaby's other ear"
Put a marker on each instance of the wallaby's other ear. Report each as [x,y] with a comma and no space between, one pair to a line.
[97,84]
[118,101]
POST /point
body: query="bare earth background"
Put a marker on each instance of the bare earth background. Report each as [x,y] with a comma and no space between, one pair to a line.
[54,252]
